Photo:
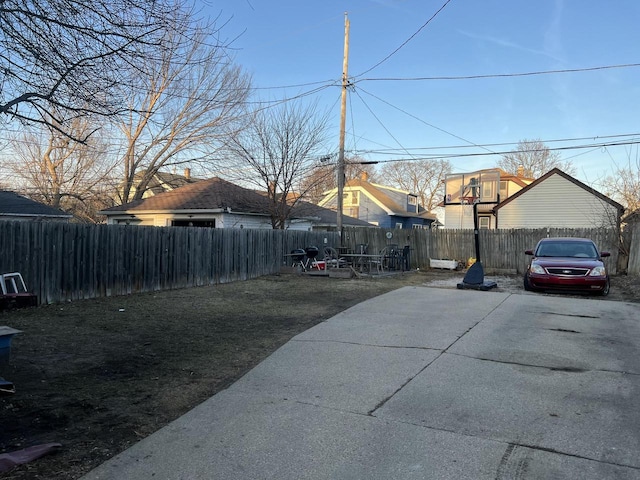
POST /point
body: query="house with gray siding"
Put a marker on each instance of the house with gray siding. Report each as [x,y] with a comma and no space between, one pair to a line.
[379,205]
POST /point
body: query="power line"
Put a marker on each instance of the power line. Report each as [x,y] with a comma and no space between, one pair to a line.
[330,81]
[422,121]
[594,146]
[406,41]
[502,144]
[380,122]
[499,75]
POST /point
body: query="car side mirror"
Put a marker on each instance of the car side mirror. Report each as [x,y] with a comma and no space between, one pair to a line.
[605,254]
[528,252]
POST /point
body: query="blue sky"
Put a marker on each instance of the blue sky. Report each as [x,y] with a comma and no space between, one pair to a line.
[284,43]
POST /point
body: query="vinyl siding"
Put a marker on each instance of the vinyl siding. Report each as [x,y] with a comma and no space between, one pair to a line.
[556,202]
[223,220]
[458,216]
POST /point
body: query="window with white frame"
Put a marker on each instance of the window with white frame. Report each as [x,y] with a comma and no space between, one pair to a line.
[412,200]
[351,198]
[484,222]
[398,225]
[504,191]
[487,190]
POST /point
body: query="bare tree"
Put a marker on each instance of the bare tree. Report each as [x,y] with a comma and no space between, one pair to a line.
[67,56]
[424,178]
[280,149]
[532,159]
[58,171]
[184,104]
[624,185]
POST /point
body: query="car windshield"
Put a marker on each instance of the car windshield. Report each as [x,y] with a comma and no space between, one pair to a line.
[567,249]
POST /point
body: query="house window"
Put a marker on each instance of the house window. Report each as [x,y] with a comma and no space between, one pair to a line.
[351,212]
[487,191]
[411,200]
[398,225]
[504,191]
[484,222]
[351,199]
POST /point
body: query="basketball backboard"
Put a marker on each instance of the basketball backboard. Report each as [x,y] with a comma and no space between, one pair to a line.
[481,186]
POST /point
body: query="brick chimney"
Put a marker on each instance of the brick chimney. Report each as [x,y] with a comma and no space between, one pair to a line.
[187,173]
[364,176]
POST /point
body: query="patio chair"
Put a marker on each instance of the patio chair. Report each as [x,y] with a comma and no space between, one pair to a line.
[380,262]
[332,259]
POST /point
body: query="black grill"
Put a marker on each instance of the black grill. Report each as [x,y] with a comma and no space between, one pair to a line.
[572,272]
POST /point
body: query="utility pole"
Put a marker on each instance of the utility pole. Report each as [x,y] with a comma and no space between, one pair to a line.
[343,118]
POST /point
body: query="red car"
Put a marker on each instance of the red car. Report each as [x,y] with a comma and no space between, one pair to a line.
[571,264]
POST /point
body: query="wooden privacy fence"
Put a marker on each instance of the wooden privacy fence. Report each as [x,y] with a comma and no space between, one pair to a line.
[63,262]
[634,250]
[499,249]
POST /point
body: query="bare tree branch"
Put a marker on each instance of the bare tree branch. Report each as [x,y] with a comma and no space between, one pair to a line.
[624,185]
[533,159]
[69,55]
[56,170]
[185,103]
[424,178]
[280,149]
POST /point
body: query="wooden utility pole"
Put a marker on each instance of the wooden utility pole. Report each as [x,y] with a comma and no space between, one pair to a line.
[343,118]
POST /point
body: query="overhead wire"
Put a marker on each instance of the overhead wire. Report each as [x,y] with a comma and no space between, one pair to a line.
[323,85]
[381,124]
[511,152]
[406,41]
[424,122]
[499,75]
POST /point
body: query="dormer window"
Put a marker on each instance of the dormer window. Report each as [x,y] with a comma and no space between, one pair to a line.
[504,192]
[351,199]
[412,200]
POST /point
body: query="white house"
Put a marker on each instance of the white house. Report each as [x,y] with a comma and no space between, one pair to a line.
[216,203]
[558,200]
[491,187]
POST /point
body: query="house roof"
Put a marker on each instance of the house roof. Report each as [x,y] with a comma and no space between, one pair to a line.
[325,216]
[210,194]
[379,194]
[216,194]
[163,179]
[14,205]
[557,171]
[518,180]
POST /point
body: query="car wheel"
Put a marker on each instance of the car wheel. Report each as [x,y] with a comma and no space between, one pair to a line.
[605,291]
[527,285]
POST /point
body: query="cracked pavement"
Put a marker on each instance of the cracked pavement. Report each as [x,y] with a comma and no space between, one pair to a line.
[423,383]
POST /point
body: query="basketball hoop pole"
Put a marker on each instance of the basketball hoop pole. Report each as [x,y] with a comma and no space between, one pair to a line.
[474,187]
[476,231]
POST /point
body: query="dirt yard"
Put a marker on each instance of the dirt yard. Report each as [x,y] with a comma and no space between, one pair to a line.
[99,375]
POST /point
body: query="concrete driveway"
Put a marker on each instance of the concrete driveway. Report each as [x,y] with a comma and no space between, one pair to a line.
[423,383]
